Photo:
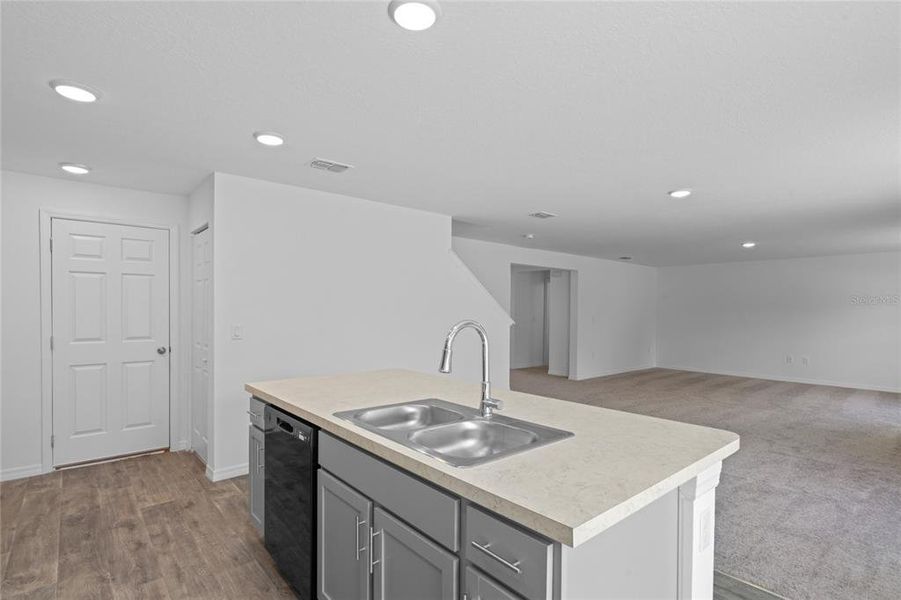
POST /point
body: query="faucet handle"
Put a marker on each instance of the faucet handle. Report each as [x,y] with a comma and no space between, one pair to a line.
[495,403]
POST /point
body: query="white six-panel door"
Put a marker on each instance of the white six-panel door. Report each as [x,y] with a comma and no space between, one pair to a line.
[110,304]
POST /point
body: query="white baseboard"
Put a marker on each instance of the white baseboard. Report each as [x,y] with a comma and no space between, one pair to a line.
[615,372]
[770,377]
[179,446]
[226,473]
[20,472]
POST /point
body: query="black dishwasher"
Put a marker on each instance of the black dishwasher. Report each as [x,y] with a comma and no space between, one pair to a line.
[290,499]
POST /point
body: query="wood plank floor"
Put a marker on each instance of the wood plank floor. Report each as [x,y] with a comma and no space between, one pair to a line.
[146,527]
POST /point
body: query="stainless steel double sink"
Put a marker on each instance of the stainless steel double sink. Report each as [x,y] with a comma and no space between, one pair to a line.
[455,434]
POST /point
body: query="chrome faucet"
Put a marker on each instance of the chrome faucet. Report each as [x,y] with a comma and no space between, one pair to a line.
[489,404]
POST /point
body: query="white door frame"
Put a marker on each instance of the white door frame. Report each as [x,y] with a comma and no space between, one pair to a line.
[46,216]
[573,311]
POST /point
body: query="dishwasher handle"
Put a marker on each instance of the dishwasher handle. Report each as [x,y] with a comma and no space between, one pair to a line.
[290,429]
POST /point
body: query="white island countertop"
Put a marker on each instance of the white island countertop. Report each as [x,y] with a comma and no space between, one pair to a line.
[569,491]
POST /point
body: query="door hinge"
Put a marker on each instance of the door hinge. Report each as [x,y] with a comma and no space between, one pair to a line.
[51,244]
[51,343]
[52,441]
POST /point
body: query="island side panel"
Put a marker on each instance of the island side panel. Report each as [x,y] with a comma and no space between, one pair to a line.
[635,559]
[697,504]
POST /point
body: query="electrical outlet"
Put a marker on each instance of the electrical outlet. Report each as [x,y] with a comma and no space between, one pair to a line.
[805,361]
[789,359]
[237,332]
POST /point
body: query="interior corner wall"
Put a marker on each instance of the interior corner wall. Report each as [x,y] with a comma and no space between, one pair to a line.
[615,304]
[322,283]
[24,196]
[745,318]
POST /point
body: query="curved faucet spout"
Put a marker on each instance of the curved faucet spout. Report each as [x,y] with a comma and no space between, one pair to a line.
[489,404]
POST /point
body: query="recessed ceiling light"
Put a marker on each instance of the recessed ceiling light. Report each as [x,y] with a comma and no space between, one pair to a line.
[542,214]
[74,91]
[269,138]
[748,244]
[529,236]
[413,16]
[680,193]
[625,258]
[74,168]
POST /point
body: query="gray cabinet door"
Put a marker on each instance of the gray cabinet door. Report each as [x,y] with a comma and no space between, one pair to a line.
[408,565]
[482,587]
[342,541]
[257,481]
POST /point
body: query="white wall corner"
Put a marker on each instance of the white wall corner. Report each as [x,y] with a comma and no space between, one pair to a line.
[460,263]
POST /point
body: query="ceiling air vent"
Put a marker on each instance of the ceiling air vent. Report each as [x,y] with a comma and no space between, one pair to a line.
[329,165]
[542,215]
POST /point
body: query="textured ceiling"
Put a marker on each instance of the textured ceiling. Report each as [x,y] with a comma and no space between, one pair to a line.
[783,117]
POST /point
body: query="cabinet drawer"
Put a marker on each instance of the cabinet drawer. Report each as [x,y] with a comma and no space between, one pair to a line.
[482,587]
[255,412]
[520,560]
[429,510]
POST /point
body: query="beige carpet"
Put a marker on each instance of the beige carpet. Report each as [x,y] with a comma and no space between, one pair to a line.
[810,507]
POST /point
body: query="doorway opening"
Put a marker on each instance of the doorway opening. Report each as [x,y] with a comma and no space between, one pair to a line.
[542,308]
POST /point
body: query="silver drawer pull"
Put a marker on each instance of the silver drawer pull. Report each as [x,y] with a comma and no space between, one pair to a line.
[253,414]
[513,566]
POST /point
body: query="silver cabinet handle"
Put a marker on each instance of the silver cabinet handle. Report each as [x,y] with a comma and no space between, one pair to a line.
[253,414]
[513,566]
[373,563]
[261,459]
[357,535]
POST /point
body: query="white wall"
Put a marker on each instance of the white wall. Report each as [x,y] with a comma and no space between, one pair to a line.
[744,318]
[23,196]
[324,283]
[527,336]
[615,303]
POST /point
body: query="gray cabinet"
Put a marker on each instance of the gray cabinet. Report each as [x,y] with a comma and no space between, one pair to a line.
[481,587]
[343,541]
[409,566]
[519,559]
[256,464]
[430,510]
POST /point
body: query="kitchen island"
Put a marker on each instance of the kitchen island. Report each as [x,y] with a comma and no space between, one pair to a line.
[624,507]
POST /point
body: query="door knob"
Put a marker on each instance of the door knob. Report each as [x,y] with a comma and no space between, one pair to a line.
[161,350]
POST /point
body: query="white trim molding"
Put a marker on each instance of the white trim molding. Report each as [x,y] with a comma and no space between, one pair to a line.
[771,377]
[20,472]
[226,473]
[179,446]
[697,505]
